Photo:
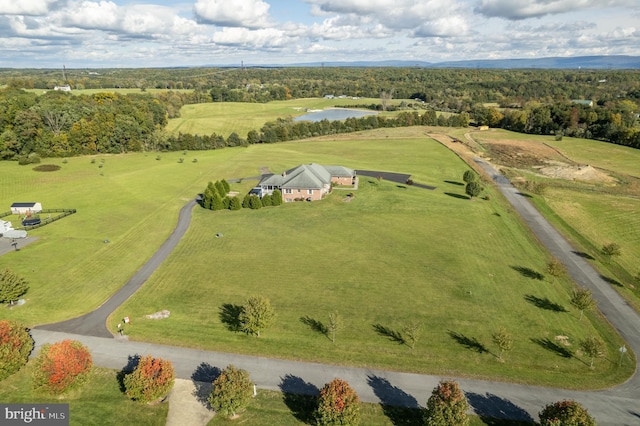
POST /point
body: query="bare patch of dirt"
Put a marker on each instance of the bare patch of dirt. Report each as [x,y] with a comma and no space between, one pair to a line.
[559,170]
[523,155]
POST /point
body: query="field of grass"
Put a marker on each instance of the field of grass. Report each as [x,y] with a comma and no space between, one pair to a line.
[99,401]
[241,117]
[394,254]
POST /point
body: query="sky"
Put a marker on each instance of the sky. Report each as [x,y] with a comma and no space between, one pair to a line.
[168,33]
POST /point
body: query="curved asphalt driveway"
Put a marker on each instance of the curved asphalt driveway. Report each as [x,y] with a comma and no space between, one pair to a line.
[95,323]
[617,406]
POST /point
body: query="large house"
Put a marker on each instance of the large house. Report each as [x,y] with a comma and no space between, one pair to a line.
[306,182]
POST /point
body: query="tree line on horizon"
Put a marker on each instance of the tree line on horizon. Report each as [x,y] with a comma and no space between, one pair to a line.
[57,124]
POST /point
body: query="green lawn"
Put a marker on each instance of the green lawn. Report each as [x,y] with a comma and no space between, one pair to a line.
[392,255]
[98,402]
[276,408]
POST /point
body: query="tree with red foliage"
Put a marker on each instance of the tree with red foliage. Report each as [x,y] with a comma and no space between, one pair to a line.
[61,366]
[151,380]
[566,413]
[338,404]
[447,405]
[15,346]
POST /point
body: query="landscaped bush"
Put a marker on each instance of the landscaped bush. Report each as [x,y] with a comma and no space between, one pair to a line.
[338,404]
[569,413]
[447,405]
[15,346]
[61,366]
[232,391]
[151,379]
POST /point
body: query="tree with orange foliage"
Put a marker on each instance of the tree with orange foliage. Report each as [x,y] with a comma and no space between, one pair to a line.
[61,366]
[15,346]
[151,380]
[338,404]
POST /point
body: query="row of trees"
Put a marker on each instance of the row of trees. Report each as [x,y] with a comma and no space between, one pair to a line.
[614,121]
[66,365]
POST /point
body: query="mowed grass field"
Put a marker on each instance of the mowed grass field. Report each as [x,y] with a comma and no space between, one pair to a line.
[224,118]
[392,255]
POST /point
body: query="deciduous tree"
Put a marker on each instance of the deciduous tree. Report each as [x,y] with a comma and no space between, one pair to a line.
[411,333]
[150,380]
[232,391]
[257,315]
[503,340]
[334,325]
[447,405]
[582,299]
[556,269]
[15,346]
[593,347]
[610,250]
[61,365]
[338,404]
[567,412]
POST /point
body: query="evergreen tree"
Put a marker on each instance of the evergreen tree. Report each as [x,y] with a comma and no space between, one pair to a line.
[226,186]
[246,202]
[276,197]
[12,286]
[255,202]
[220,188]
[216,202]
[235,204]
[473,189]
[226,202]
[266,201]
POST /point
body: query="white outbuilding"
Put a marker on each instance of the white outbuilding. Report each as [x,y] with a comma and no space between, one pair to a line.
[24,208]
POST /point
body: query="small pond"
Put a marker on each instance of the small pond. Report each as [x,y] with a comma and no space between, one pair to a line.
[334,114]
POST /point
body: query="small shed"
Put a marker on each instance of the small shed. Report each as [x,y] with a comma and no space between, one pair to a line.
[24,208]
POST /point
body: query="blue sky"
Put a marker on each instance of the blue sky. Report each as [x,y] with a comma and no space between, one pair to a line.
[159,33]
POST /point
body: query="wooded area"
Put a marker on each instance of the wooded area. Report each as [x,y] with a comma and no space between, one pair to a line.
[58,123]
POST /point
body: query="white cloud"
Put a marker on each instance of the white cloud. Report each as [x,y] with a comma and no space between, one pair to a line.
[26,7]
[267,37]
[515,10]
[236,13]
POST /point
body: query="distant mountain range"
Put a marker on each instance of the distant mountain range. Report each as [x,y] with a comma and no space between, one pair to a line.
[587,62]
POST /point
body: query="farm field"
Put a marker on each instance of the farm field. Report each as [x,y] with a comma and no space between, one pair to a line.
[392,255]
[224,118]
